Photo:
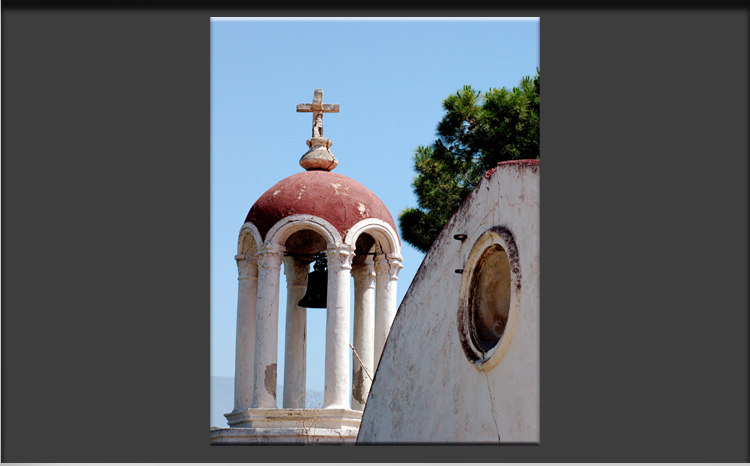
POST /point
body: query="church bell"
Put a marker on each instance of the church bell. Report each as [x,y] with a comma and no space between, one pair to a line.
[317,285]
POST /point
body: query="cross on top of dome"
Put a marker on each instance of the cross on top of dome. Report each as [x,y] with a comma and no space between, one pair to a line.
[318,108]
[319,157]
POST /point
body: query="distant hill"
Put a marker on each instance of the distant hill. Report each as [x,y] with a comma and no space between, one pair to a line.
[222,399]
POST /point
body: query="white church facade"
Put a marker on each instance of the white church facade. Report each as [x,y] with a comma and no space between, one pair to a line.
[461,363]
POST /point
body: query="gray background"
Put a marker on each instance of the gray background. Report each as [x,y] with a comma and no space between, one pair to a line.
[105,210]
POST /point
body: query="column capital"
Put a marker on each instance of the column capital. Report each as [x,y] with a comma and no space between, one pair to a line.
[269,256]
[339,256]
[296,272]
[247,265]
[247,269]
[364,274]
[388,265]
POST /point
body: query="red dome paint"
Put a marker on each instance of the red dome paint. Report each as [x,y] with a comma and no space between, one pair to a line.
[335,198]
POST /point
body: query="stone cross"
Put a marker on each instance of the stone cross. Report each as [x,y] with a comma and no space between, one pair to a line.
[318,108]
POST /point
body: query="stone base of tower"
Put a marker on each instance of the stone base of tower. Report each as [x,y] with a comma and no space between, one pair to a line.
[289,426]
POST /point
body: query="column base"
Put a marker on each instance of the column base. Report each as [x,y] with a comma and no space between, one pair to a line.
[289,426]
[281,436]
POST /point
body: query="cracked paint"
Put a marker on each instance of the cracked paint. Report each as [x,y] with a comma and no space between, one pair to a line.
[492,404]
[362,208]
[332,197]
[468,402]
[358,386]
[270,379]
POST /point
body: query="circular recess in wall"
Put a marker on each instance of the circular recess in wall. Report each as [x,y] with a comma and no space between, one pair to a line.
[489,297]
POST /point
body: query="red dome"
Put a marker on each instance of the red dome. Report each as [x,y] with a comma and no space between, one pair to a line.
[336,198]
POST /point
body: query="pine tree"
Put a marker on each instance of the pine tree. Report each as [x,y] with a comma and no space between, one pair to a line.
[476,133]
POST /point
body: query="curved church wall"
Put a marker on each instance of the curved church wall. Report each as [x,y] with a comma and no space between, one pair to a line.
[444,376]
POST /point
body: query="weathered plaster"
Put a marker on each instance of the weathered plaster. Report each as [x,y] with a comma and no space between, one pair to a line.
[267,326]
[381,231]
[425,388]
[364,331]
[289,426]
[247,266]
[336,389]
[330,196]
[295,348]
[287,226]
[387,267]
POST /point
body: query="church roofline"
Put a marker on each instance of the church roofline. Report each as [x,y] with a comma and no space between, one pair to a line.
[489,172]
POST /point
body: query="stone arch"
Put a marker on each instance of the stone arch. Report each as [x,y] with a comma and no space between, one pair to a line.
[281,231]
[249,239]
[382,232]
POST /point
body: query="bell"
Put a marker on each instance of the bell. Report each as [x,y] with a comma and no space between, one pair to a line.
[317,286]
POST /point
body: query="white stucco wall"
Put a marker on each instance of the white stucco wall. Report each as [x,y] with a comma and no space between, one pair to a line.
[425,388]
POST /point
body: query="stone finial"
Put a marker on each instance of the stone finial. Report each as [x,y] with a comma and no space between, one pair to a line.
[319,157]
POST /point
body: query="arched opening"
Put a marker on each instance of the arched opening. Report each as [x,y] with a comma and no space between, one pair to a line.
[363,248]
[304,362]
[385,238]
[248,240]
[301,377]
[305,242]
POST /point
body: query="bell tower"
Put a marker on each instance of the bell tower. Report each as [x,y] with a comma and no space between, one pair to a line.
[344,230]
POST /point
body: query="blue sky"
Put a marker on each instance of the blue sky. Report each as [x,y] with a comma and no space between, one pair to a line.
[389,77]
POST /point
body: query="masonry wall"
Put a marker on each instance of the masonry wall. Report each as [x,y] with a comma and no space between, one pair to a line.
[425,388]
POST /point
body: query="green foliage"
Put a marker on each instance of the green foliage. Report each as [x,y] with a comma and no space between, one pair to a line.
[476,133]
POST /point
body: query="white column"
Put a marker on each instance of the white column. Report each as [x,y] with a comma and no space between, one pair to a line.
[336,392]
[364,332]
[247,267]
[386,269]
[267,326]
[296,334]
